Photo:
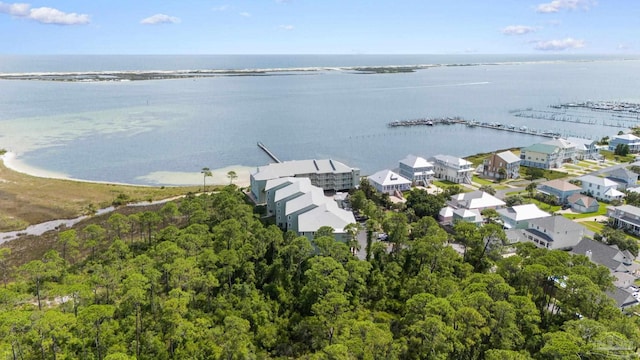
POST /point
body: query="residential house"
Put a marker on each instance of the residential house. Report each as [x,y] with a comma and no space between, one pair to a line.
[583,203]
[416,169]
[445,215]
[586,149]
[330,175]
[625,217]
[274,185]
[472,216]
[518,217]
[502,165]
[623,298]
[479,200]
[284,195]
[626,139]
[601,188]
[561,189]
[549,154]
[327,214]
[624,177]
[554,232]
[451,168]
[387,181]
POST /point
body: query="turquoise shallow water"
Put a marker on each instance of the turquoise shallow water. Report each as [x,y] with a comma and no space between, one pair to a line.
[122,131]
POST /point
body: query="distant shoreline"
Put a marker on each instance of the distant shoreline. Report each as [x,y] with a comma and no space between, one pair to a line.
[163,178]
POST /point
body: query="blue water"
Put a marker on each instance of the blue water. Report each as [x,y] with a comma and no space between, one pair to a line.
[121,131]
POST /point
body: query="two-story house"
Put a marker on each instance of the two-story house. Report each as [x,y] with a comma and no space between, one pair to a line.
[451,168]
[502,165]
[554,232]
[560,189]
[625,217]
[416,169]
[387,181]
[601,188]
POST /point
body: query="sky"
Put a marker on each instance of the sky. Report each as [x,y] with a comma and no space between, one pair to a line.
[320,27]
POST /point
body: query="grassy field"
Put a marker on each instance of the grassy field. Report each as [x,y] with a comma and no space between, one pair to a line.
[594,226]
[26,200]
[602,210]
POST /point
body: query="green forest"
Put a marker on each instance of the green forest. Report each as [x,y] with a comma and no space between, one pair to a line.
[206,278]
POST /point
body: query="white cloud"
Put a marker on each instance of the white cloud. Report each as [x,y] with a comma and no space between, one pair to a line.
[44,15]
[562,44]
[518,30]
[245,14]
[556,5]
[160,19]
[221,8]
[286,27]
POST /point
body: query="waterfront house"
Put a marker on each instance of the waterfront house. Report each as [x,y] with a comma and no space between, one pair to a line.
[507,161]
[416,169]
[554,232]
[583,203]
[626,139]
[549,154]
[518,217]
[585,149]
[387,181]
[601,188]
[625,217]
[451,168]
[330,175]
[624,177]
[560,189]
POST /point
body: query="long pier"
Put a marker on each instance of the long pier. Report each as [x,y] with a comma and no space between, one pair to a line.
[268,152]
[461,121]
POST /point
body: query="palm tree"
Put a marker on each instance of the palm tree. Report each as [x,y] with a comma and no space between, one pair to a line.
[232,176]
[205,172]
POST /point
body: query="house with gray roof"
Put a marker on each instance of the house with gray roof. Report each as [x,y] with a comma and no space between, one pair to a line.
[609,256]
[451,168]
[560,189]
[626,139]
[624,177]
[328,174]
[583,203]
[601,188]
[417,169]
[507,161]
[625,217]
[554,232]
[623,298]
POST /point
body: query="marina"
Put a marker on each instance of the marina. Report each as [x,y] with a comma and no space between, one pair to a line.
[473,123]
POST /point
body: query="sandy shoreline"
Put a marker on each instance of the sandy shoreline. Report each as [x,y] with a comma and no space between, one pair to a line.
[158,178]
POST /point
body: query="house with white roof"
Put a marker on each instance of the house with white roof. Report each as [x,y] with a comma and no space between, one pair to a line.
[517,217]
[330,175]
[507,161]
[416,169]
[626,139]
[476,200]
[601,188]
[387,181]
[472,216]
[586,149]
[554,232]
[451,168]
[625,217]
[328,214]
[560,189]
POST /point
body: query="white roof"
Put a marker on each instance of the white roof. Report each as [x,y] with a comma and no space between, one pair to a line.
[523,212]
[465,213]
[298,187]
[446,212]
[508,157]
[581,142]
[626,137]
[634,189]
[561,143]
[414,161]
[314,197]
[477,200]
[328,214]
[296,167]
[613,192]
[280,181]
[449,159]
[598,180]
[387,178]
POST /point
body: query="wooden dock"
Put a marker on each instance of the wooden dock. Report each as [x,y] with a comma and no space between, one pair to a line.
[268,152]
